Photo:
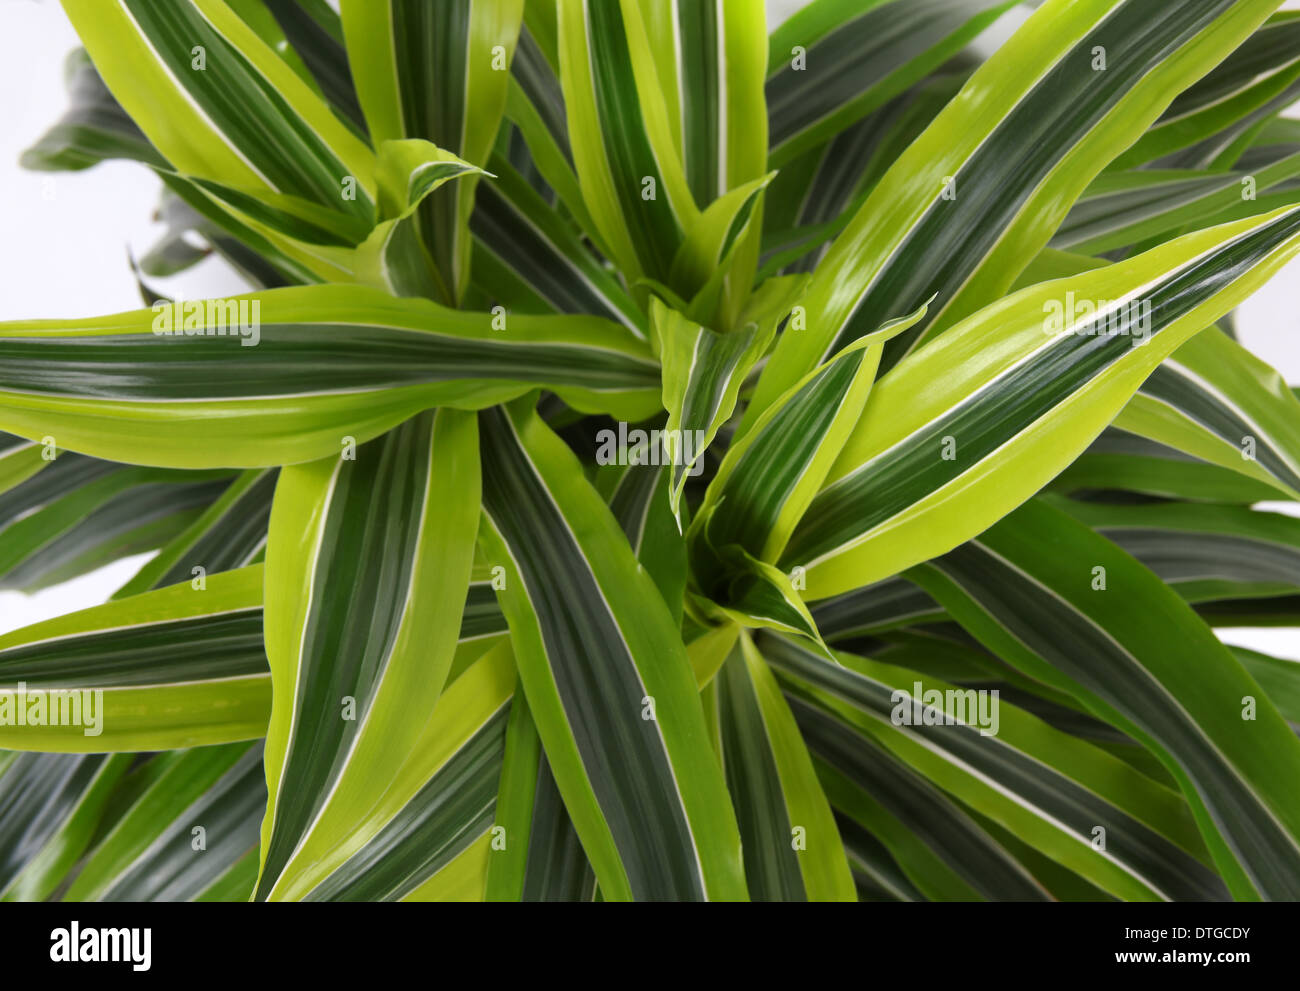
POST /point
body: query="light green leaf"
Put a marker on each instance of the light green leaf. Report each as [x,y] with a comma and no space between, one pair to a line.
[1136,656]
[1215,400]
[20,459]
[393,257]
[835,61]
[771,474]
[1026,385]
[607,650]
[368,568]
[1047,787]
[702,375]
[982,190]
[314,31]
[200,398]
[430,837]
[436,72]
[542,858]
[186,831]
[179,667]
[792,847]
[50,806]
[535,105]
[710,59]
[226,111]
[625,153]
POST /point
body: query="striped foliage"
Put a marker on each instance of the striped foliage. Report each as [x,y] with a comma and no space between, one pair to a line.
[664,455]
[178,667]
[364,653]
[436,73]
[388,359]
[973,199]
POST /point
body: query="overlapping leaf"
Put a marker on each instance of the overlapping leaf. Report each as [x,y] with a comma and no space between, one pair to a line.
[605,675]
[360,659]
[975,198]
[201,398]
[178,667]
[1070,609]
[833,62]
[182,827]
[792,847]
[1028,383]
[436,73]
[1048,788]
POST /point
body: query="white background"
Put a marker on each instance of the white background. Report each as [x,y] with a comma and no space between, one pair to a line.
[66,236]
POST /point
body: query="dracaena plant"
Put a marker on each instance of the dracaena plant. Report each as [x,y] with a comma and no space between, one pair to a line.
[657,459]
